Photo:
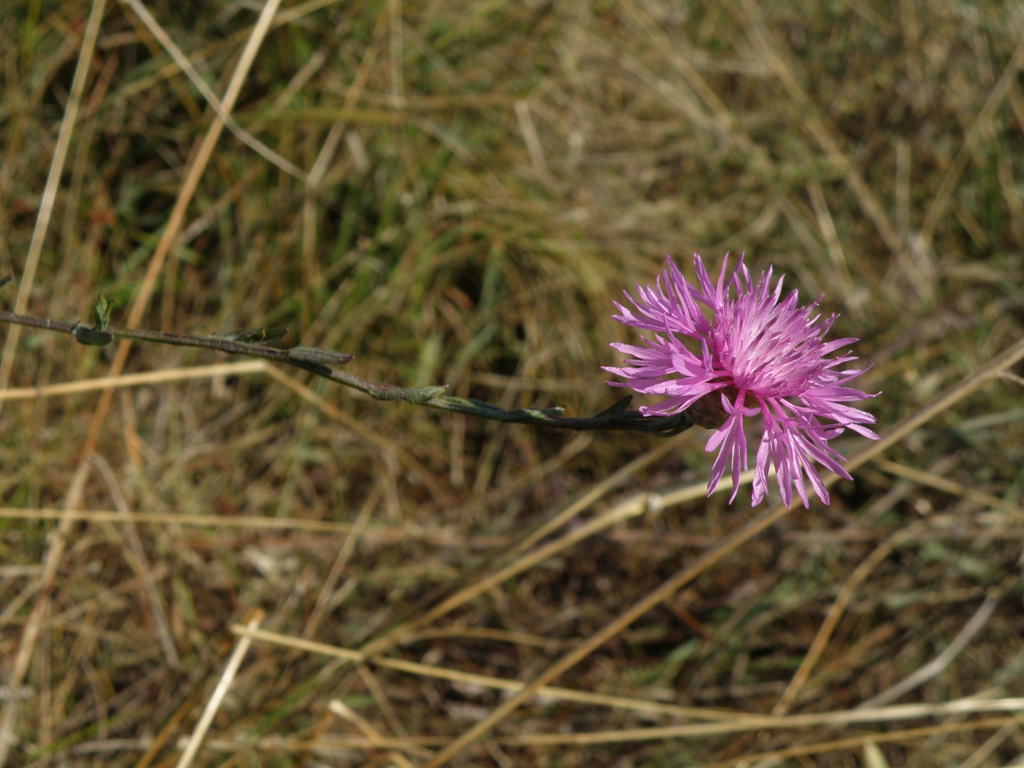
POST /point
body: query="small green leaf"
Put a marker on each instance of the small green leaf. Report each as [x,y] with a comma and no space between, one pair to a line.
[421,395]
[103,310]
[478,406]
[315,356]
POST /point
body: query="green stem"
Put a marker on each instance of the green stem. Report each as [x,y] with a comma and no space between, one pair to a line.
[326,363]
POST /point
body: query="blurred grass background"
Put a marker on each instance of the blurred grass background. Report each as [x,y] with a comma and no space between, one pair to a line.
[481,180]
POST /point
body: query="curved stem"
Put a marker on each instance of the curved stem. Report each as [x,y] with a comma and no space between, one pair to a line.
[326,363]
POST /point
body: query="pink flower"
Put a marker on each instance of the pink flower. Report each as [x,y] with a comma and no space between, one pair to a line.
[748,355]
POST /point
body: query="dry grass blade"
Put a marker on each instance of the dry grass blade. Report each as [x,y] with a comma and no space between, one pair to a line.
[53,179]
[134,380]
[223,113]
[176,219]
[456,194]
[195,741]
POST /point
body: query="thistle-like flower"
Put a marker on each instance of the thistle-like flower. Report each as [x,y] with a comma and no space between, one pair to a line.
[731,350]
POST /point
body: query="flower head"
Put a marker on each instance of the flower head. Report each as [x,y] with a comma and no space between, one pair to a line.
[750,353]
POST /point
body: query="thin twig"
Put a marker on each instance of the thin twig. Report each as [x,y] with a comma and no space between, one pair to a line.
[327,364]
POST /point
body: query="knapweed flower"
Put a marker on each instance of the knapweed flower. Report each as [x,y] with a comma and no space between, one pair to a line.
[732,349]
